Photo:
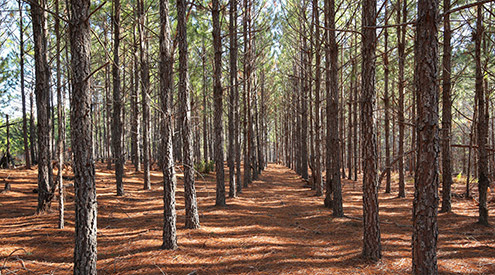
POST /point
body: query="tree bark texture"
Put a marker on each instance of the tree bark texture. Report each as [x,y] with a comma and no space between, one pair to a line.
[42,92]
[425,205]
[85,253]
[192,217]
[371,241]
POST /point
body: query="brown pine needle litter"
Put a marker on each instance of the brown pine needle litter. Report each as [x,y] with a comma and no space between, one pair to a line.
[276,226]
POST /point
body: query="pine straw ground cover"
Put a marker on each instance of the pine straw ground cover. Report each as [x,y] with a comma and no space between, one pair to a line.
[276,226]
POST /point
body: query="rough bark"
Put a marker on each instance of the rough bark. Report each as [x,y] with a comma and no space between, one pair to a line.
[401,35]
[218,105]
[446,111]
[42,91]
[117,103]
[85,253]
[386,103]
[61,124]
[192,217]
[145,93]
[318,174]
[333,151]
[425,205]
[232,95]
[166,93]
[136,116]
[483,181]
[247,98]
[371,226]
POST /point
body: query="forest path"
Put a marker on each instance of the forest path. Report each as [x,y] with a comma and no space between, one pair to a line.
[276,226]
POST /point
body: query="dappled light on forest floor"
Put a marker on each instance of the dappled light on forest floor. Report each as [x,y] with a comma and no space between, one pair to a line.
[276,226]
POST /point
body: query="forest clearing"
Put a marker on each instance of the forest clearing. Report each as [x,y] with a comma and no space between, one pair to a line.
[276,226]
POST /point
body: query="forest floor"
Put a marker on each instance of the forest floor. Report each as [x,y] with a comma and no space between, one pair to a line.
[276,226]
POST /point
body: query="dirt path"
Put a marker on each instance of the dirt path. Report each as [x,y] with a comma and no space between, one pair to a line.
[276,226]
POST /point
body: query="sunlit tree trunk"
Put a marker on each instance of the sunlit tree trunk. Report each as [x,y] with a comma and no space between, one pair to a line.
[85,252]
[192,217]
[425,225]
[42,91]
[371,223]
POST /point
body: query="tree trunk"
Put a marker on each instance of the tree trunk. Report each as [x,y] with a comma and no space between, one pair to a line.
[334,187]
[192,217]
[166,93]
[145,92]
[318,174]
[61,124]
[232,154]
[135,125]
[218,101]
[32,130]
[117,103]
[247,98]
[483,181]
[401,36]
[446,111]
[42,91]
[205,107]
[23,95]
[371,241]
[386,101]
[425,226]
[85,253]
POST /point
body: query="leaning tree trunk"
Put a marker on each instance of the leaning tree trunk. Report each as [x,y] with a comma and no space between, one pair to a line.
[117,103]
[425,226]
[166,93]
[218,97]
[371,242]
[42,91]
[446,111]
[84,171]
[483,125]
[192,217]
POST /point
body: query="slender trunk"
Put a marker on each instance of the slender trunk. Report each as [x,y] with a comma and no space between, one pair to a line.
[401,49]
[61,124]
[192,217]
[386,101]
[218,105]
[117,103]
[332,96]
[483,181]
[205,107]
[446,111]
[136,116]
[371,223]
[23,95]
[247,98]
[318,174]
[166,94]
[231,155]
[425,225]
[32,129]
[145,92]
[85,253]
[42,91]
